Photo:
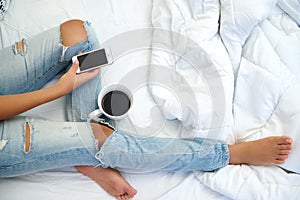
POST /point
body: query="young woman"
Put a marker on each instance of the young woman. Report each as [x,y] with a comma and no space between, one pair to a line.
[29,145]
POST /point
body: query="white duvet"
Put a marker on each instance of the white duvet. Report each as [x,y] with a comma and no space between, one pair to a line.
[231,71]
[262,40]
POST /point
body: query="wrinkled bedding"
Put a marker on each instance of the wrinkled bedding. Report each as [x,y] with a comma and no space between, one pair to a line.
[226,70]
[262,40]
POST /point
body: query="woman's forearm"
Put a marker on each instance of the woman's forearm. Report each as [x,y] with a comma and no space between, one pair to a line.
[11,105]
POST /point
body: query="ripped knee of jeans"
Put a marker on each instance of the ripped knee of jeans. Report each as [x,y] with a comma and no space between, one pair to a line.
[20,48]
[27,137]
[73,32]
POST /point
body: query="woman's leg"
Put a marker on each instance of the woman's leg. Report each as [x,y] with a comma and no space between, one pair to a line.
[29,145]
[132,153]
[30,63]
[141,154]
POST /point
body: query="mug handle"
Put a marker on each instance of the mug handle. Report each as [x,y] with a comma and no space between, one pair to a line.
[95,115]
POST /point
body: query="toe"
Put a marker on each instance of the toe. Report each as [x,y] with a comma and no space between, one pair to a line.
[285,140]
[131,191]
[284,152]
[282,157]
[279,162]
[285,147]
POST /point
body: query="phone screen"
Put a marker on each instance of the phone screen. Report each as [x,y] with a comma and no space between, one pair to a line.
[92,59]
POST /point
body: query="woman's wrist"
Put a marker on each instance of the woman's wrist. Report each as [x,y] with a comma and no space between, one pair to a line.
[61,90]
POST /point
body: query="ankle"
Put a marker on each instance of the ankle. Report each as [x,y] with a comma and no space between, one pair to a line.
[234,158]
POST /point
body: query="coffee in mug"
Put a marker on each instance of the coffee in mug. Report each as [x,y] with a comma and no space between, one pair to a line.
[114,101]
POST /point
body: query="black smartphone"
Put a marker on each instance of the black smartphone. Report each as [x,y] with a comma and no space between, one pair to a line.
[93,59]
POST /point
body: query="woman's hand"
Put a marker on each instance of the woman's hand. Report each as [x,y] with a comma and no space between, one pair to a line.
[70,80]
[11,105]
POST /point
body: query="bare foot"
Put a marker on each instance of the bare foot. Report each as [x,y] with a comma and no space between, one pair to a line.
[110,180]
[266,151]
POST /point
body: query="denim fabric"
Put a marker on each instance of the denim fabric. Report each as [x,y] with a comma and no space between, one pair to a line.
[52,145]
[132,153]
[83,100]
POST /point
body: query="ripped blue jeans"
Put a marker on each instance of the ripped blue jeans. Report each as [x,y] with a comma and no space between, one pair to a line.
[29,145]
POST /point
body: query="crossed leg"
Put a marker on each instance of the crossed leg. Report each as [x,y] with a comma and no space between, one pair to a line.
[266,151]
[109,179]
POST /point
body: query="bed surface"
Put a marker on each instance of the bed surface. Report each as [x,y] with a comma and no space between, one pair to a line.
[234,49]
